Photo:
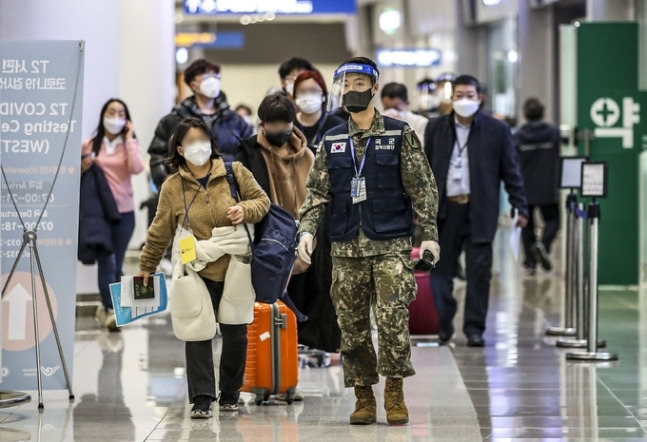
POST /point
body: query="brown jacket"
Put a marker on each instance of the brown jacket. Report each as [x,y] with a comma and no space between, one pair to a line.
[208,210]
[287,168]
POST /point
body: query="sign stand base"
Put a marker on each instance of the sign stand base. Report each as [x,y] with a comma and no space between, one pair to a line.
[29,239]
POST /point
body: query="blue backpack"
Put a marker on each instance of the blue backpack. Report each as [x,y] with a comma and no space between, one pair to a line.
[273,248]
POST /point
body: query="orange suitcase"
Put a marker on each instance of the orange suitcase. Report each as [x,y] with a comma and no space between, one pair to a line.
[272,353]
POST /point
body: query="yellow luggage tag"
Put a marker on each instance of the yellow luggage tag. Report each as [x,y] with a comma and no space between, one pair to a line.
[187,249]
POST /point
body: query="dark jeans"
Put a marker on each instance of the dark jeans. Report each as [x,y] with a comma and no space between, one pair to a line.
[200,372]
[454,232]
[110,266]
[550,214]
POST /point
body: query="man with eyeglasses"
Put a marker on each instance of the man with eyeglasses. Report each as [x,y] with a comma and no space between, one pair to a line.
[290,70]
[209,104]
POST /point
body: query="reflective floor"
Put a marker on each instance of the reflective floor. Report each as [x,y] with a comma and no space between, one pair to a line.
[130,386]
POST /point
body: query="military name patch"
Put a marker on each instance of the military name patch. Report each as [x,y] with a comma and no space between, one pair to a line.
[338,148]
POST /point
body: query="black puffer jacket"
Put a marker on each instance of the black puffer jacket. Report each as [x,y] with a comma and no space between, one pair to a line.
[228,129]
[97,213]
[538,145]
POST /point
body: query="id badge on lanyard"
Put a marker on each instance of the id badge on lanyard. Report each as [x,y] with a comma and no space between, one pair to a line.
[358,183]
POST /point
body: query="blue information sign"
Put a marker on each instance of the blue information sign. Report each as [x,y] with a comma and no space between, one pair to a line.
[284,7]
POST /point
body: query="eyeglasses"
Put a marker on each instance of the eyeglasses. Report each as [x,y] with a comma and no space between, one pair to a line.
[210,74]
[290,78]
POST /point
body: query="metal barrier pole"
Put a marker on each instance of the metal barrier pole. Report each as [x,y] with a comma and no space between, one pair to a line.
[580,340]
[568,328]
[592,354]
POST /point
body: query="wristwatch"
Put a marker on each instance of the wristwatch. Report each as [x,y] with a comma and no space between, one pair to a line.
[304,233]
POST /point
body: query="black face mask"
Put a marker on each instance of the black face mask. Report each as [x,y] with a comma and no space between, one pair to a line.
[278,139]
[355,101]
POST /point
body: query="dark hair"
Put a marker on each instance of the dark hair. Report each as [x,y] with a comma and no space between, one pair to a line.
[175,159]
[244,107]
[426,83]
[101,131]
[533,109]
[276,107]
[467,80]
[395,90]
[307,75]
[199,67]
[294,63]
[364,60]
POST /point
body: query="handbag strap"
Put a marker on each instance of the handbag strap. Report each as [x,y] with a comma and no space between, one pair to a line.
[235,194]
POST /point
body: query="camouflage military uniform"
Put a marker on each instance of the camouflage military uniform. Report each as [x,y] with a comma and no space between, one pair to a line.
[378,274]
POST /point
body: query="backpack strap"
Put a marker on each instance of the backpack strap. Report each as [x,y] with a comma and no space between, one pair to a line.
[233,189]
[231,179]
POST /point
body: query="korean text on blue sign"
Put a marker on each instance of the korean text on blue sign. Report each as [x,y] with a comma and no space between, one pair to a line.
[287,7]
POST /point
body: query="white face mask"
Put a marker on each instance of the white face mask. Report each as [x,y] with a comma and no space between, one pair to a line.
[197,153]
[466,107]
[210,87]
[289,88]
[114,125]
[394,113]
[428,101]
[309,103]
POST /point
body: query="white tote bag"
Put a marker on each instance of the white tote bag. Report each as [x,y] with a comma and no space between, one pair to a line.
[192,314]
[237,302]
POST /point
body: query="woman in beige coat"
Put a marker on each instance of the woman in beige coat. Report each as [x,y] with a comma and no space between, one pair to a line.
[198,198]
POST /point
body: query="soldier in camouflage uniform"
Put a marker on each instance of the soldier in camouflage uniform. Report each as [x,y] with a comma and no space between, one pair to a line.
[373,173]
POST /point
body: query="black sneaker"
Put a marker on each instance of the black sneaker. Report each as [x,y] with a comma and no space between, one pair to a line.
[228,401]
[541,255]
[201,407]
[445,334]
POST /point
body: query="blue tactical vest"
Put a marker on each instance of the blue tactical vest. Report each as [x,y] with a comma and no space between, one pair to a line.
[387,211]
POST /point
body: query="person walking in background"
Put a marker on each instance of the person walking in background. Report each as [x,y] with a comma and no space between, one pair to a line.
[470,153]
[537,143]
[312,119]
[290,70]
[208,104]
[373,174]
[395,102]
[198,195]
[115,150]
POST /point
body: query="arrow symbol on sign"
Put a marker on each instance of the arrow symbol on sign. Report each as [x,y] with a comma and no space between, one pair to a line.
[17,299]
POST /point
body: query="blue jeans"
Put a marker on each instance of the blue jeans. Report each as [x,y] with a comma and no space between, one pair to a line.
[109,266]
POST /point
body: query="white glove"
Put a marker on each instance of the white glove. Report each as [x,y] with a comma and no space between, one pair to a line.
[433,247]
[305,247]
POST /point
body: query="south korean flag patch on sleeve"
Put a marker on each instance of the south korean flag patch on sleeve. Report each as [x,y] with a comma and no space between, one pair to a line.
[338,148]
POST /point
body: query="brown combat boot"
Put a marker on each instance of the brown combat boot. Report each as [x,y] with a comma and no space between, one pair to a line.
[396,410]
[365,407]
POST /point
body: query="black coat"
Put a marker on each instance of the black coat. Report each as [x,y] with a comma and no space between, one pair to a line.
[538,148]
[98,212]
[310,291]
[228,128]
[492,159]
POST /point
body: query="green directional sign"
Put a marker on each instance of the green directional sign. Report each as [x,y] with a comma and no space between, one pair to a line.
[614,111]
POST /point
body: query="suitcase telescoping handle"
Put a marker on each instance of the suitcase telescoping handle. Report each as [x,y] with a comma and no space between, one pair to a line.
[281,320]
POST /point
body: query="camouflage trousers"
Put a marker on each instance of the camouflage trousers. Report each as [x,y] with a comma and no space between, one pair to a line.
[385,283]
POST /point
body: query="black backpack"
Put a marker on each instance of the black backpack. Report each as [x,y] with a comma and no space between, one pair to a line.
[273,248]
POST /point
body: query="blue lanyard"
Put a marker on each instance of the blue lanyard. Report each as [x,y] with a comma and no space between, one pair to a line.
[358,172]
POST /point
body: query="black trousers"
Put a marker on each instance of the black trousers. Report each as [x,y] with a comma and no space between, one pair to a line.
[454,232]
[200,372]
[550,214]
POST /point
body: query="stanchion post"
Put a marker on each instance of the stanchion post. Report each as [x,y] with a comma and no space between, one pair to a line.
[592,354]
[580,340]
[568,328]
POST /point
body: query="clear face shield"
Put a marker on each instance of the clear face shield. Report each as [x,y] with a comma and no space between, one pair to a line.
[352,87]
